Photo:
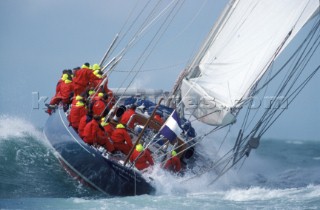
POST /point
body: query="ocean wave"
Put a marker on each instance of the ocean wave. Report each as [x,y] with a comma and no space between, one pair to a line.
[15,127]
[261,193]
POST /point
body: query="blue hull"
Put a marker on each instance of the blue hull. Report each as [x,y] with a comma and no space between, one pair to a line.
[89,165]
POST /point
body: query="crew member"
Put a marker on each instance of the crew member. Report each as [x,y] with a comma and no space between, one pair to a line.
[61,80]
[126,116]
[90,132]
[173,164]
[141,158]
[98,104]
[121,139]
[82,78]
[76,113]
[104,140]
[157,117]
[108,127]
[83,122]
[64,94]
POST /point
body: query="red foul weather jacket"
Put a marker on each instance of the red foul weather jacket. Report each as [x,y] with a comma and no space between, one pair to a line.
[82,79]
[99,106]
[58,86]
[76,113]
[144,161]
[173,164]
[109,129]
[66,88]
[82,124]
[122,140]
[126,116]
[120,135]
[90,132]
[158,119]
[104,140]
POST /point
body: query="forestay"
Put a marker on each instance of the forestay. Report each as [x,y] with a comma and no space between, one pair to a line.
[249,35]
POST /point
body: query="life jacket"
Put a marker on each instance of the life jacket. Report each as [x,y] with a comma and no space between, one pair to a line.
[144,161]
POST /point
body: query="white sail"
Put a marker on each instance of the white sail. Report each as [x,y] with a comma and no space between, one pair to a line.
[247,38]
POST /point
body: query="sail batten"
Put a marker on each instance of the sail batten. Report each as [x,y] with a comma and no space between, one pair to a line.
[249,36]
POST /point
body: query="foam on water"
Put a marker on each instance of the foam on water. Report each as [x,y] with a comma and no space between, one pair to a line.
[280,174]
[15,127]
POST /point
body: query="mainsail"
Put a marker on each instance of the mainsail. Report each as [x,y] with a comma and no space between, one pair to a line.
[248,37]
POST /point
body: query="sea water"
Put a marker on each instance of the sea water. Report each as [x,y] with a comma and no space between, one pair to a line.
[281,174]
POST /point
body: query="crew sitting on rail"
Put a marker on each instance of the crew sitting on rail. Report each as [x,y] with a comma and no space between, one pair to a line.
[61,80]
[83,122]
[77,98]
[173,164]
[77,111]
[121,139]
[64,93]
[107,126]
[91,129]
[141,158]
[82,78]
[96,79]
[99,105]
[103,139]
[126,116]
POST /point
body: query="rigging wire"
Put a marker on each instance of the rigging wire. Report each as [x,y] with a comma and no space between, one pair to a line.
[144,53]
[302,59]
[267,118]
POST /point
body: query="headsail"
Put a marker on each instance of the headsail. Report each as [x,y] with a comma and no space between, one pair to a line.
[238,51]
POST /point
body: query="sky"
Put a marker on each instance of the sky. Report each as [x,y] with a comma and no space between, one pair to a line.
[40,38]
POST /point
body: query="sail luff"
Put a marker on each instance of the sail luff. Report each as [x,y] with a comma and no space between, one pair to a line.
[207,42]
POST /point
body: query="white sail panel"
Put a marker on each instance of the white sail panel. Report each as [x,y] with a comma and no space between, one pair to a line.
[249,38]
[205,108]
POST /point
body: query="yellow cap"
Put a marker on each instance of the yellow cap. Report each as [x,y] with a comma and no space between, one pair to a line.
[173,153]
[95,67]
[67,81]
[78,98]
[96,72]
[64,77]
[84,67]
[79,103]
[103,123]
[100,94]
[120,126]
[91,92]
[139,148]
